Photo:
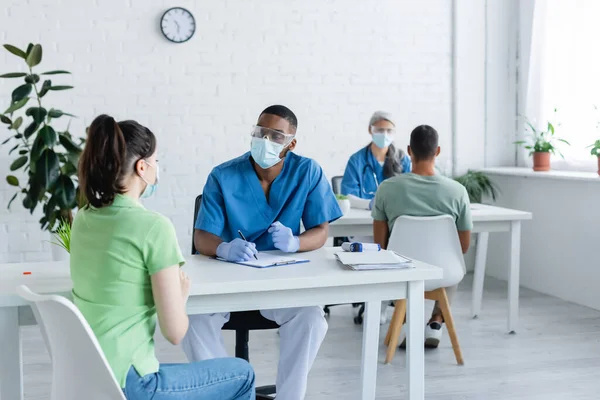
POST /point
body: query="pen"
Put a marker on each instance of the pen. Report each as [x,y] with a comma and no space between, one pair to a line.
[244,239]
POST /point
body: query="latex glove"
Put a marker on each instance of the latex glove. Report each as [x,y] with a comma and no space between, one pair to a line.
[283,238]
[371,203]
[237,250]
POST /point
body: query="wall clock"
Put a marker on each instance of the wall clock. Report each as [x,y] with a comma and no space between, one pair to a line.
[178,25]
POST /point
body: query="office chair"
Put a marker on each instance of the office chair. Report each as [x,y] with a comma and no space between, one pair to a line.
[242,322]
[336,186]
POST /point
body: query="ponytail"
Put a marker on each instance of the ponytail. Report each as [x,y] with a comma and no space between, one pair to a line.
[392,165]
[110,153]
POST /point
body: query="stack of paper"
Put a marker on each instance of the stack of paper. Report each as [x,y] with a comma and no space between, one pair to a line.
[370,260]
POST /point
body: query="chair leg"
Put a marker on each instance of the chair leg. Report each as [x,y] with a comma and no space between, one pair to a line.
[447,315]
[394,330]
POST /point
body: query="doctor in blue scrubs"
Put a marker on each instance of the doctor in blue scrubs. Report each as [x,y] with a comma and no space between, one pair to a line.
[374,163]
[265,194]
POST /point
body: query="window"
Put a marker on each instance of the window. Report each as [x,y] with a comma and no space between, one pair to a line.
[570,78]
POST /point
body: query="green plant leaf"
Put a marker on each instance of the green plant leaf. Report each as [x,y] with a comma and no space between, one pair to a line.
[6,141]
[58,113]
[64,191]
[35,56]
[47,168]
[33,78]
[37,148]
[68,169]
[45,87]
[29,48]
[55,72]
[564,141]
[23,151]
[11,200]
[18,163]
[13,75]
[17,123]
[37,113]
[21,92]
[550,128]
[16,106]
[30,130]
[16,51]
[48,135]
[12,180]
[5,119]
[13,149]
[60,87]
[68,144]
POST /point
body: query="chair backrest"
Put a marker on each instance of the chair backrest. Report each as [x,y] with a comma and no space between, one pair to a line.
[197,205]
[433,240]
[79,368]
[336,184]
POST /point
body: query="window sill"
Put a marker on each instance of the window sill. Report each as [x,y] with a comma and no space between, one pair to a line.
[529,173]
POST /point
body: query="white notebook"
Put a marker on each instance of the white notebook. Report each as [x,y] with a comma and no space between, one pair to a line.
[266,260]
[370,260]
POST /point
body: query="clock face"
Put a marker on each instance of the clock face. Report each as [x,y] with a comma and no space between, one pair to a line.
[178,24]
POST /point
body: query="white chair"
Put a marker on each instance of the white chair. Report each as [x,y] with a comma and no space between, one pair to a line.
[433,240]
[79,367]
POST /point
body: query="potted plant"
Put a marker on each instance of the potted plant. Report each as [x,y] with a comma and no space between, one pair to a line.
[62,240]
[46,157]
[541,144]
[343,202]
[596,152]
[478,186]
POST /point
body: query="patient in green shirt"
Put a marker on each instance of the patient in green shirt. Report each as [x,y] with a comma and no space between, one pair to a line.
[421,193]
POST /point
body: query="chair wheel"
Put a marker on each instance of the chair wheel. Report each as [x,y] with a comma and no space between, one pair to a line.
[358,320]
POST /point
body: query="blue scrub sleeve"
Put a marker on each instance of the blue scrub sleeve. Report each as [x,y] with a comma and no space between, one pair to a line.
[211,217]
[351,179]
[321,205]
[406,164]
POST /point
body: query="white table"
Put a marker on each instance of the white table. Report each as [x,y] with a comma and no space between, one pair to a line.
[486,219]
[219,287]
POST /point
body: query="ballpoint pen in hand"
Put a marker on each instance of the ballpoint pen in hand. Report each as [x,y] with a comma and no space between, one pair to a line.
[244,239]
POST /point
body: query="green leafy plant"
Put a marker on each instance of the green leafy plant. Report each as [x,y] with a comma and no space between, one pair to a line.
[595,148]
[541,141]
[341,197]
[478,185]
[46,156]
[62,235]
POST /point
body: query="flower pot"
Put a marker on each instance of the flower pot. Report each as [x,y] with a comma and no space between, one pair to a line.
[344,205]
[541,161]
[58,253]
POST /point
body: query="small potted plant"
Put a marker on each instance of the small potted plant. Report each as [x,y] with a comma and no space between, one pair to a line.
[541,144]
[478,186]
[596,152]
[343,202]
[62,241]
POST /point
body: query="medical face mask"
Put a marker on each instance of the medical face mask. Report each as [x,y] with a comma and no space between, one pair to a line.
[150,187]
[382,140]
[265,153]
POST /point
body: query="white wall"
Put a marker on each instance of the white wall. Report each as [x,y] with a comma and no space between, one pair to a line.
[332,62]
[559,247]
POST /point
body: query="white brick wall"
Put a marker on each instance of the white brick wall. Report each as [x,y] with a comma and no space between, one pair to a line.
[333,62]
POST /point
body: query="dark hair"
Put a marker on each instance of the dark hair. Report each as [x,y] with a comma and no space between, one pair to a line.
[392,164]
[423,142]
[110,152]
[283,112]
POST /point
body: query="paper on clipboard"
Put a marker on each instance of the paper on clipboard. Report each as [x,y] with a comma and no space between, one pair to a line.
[267,260]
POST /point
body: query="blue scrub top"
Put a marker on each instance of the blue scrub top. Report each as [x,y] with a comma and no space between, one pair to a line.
[358,177]
[234,199]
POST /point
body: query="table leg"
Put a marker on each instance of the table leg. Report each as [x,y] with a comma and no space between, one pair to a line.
[11,363]
[513,276]
[370,349]
[479,272]
[414,341]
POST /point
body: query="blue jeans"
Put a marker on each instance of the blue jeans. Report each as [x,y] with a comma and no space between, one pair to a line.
[217,379]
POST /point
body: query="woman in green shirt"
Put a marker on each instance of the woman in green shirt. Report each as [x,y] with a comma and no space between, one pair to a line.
[125,267]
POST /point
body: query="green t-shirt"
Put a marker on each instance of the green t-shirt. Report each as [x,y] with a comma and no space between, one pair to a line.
[422,196]
[114,250]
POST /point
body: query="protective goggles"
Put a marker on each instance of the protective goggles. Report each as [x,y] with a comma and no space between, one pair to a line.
[273,135]
[375,129]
